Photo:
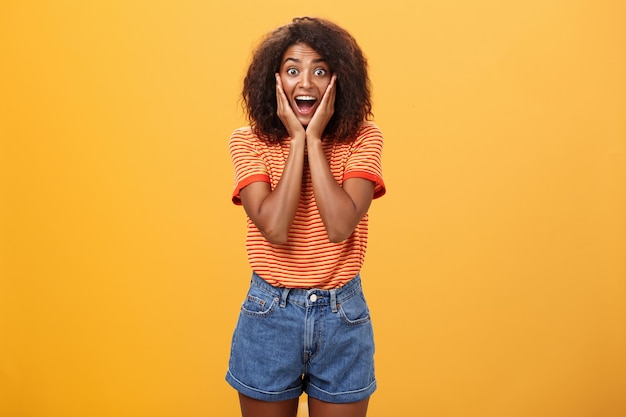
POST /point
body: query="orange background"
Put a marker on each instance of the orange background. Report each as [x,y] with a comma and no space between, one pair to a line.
[496,271]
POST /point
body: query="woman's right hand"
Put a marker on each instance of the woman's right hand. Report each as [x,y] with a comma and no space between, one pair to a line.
[285,113]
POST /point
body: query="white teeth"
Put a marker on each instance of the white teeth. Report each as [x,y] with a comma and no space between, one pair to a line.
[305,98]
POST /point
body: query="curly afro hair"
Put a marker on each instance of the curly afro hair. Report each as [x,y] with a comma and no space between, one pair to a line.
[344,57]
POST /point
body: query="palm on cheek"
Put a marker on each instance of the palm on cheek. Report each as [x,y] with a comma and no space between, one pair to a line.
[324,112]
[285,112]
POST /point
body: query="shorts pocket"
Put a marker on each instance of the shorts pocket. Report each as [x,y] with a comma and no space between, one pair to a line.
[259,303]
[354,310]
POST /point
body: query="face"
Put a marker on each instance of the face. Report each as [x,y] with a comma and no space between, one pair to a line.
[305,76]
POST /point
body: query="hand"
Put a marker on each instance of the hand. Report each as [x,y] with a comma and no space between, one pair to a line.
[324,112]
[285,112]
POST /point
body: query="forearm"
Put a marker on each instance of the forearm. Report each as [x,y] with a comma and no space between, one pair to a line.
[340,213]
[276,209]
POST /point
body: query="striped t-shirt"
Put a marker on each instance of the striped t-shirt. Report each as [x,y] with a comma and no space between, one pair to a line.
[308,259]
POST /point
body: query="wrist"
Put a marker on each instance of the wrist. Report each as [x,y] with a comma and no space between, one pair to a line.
[298,143]
[313,140]
[298,137]
[314,145]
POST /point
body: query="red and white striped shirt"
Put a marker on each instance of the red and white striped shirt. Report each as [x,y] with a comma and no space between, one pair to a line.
[308,259]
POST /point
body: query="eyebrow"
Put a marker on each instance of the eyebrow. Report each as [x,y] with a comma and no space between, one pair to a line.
[297,61]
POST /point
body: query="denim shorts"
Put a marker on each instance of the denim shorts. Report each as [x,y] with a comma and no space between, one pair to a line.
[292,340]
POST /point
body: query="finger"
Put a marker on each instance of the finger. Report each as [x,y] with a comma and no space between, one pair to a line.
[328,100]
[332,83]
[332,90]
[279,89]
[329,96]
[281,98]
[279,83]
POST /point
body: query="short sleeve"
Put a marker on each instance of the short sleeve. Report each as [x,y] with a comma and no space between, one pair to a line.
[247,161]
[365,159]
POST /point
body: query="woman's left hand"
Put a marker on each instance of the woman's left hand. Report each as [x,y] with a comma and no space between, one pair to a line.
[324,112]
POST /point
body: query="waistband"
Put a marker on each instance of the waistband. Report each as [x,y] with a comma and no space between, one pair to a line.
[311,296]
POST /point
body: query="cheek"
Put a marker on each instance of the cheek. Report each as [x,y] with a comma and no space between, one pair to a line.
[323,85]
[288,87]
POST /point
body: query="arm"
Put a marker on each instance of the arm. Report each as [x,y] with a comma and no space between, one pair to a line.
[341,208]
[273,211]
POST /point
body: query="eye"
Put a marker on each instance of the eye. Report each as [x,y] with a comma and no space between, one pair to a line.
[292,71]
[320,72]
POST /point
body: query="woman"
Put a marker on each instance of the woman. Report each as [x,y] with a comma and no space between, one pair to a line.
[306,171]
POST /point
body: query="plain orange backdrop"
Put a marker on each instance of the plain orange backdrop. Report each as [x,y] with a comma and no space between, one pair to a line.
[496,270]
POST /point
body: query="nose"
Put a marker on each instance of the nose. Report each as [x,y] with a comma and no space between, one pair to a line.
[305,81]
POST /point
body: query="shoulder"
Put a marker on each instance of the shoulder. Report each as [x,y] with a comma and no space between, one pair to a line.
[243,133]
[369,133]
[369,128]
[245,137]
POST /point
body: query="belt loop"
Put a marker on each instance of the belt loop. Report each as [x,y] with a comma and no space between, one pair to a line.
[333,301]
[283,298]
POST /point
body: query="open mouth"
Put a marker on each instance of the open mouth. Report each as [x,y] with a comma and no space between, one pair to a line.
[305,104]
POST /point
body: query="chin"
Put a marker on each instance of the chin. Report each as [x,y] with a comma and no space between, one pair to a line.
[305,120]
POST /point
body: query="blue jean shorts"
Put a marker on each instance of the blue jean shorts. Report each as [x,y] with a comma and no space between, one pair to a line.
[288,341]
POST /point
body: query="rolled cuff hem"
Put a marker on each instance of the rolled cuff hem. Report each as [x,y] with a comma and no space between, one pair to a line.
[340,397]
[260,394]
